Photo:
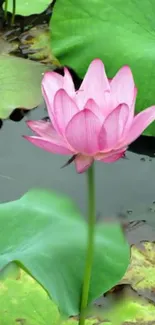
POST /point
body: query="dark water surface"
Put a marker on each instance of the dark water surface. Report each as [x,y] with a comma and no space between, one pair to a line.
[126,187]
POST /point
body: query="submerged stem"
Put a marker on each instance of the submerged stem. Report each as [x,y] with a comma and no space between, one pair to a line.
[90,245]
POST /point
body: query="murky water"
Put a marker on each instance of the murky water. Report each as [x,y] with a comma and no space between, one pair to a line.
[127,185]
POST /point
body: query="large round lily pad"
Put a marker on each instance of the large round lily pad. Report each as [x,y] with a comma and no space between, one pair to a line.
[28,7]
[117,31]
[45,234]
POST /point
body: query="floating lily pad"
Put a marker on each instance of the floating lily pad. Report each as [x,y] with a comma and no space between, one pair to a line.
[46,234]
[20,81]
[129,310]
[141,272]
[24,302]
[28,7]
[75,322]
[117,31]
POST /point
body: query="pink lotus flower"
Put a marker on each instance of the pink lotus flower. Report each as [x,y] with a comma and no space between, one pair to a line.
[94,123]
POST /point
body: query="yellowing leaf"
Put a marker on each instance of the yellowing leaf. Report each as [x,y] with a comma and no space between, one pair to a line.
[141,272]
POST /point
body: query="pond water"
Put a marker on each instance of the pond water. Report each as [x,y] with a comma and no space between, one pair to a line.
[125,187]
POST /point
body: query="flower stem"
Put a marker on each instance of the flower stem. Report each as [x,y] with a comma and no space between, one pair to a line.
[13,12]
[5,9]
[90,245]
